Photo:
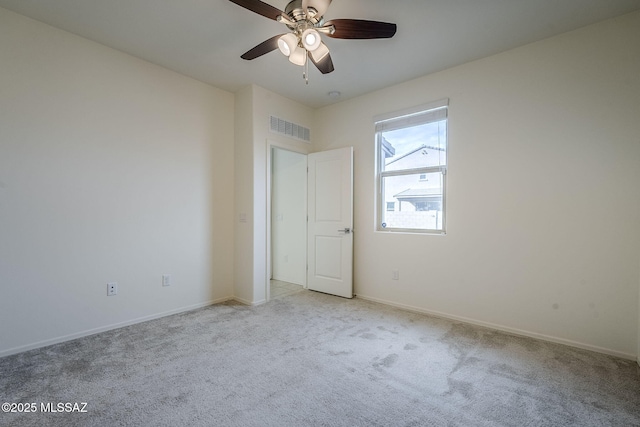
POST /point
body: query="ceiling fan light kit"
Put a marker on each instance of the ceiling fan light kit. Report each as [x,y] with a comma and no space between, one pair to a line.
[320,53]
[311,39]
[298,56]
[305,20]
[287,44]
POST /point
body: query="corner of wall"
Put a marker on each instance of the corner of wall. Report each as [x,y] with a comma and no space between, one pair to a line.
[243,189]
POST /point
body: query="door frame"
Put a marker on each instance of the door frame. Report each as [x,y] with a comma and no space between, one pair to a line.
[272,143]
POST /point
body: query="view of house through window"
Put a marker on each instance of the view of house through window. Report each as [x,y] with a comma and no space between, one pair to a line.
[411,170]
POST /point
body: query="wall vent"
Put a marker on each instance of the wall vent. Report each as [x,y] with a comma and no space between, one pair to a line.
[290,129]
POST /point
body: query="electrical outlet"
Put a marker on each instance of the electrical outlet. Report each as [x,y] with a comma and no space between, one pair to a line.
[112,289]
[166,280]
[395,274]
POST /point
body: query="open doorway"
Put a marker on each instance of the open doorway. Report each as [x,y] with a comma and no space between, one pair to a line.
[288,224]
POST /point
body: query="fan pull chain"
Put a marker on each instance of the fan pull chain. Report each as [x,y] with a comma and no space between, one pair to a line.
[305,70]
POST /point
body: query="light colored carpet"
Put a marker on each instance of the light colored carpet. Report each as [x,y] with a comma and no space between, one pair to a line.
[309,359]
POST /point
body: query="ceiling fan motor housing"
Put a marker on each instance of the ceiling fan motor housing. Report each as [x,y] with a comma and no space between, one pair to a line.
[300,20]
[296,13]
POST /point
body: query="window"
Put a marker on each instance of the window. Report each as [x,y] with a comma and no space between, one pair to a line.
[411,169]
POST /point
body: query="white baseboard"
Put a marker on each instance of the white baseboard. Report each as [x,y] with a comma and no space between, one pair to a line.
[247,302]
[94,331]
[507,329]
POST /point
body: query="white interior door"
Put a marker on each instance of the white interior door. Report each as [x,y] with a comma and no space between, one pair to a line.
[330,227]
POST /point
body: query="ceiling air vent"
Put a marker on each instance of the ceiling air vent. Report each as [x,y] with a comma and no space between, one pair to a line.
[290,129]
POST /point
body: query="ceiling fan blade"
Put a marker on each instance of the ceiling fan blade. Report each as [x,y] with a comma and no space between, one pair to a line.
[259,7]
[264,47]
[361,29]
[320,6]
[325,65]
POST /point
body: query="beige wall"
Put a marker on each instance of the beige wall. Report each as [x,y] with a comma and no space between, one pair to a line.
[543,203]
[243,187]
[111,169]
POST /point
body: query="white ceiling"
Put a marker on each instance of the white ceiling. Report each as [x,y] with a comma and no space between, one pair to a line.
[205,38]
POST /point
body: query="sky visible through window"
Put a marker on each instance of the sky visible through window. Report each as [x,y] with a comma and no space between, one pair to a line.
[408,139]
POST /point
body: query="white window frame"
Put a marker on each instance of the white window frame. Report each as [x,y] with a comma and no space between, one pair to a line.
[428,113]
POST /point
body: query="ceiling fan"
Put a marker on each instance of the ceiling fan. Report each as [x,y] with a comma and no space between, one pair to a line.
[305,20]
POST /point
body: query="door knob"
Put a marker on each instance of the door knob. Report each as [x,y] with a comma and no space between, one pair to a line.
[345,230]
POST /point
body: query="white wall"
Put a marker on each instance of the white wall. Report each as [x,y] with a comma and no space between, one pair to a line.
[289,216]
[111,169]
[543,203]
[243,185]
[252,116]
